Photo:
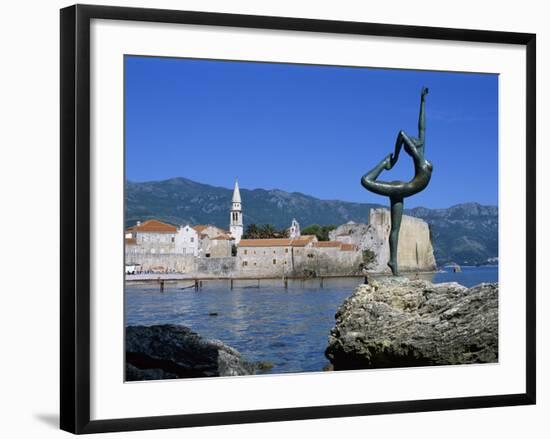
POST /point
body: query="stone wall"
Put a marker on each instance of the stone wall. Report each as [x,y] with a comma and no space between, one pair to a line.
[224,267]
[297,261]
[328,261]
[414,253]
[179,263]
[414,250]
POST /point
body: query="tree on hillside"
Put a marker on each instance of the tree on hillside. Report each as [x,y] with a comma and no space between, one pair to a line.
[266,231]
[281,233]
[320,231]
[251,232]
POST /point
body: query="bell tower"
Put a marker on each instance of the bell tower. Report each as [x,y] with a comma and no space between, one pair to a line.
[236,218]
[294,231]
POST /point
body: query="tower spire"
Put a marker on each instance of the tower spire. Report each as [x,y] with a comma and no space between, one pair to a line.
[236,215]
[236,193]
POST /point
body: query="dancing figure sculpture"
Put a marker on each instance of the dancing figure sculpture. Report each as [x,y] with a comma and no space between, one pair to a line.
[399,190]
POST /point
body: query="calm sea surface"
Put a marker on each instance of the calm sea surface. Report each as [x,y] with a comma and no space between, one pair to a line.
[287,327]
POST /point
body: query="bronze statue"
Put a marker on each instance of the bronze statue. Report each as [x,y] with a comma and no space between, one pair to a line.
[398,190]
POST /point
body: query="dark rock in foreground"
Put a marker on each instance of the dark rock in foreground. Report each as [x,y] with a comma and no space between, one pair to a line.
[173,351]
[397,322]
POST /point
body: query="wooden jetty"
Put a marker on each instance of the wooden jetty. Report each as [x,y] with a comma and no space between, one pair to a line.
[198,282]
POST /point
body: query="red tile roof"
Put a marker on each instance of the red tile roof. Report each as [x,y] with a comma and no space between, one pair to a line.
[324,244]
[301,241]
[348,247]
[153,226]
[273,242]
[202,227]
[221,238]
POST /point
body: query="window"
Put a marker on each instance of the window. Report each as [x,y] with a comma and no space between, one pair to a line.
[286,250]
[273,251]
[245,263]
[192,239]
[274,261]
[173,239]
[246,252]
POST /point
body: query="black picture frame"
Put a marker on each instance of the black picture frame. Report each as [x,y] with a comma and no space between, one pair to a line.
[75,217]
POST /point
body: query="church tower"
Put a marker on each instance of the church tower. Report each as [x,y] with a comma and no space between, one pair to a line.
[236,220]
[294,230]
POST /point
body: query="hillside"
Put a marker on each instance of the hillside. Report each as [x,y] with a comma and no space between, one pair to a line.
[465,233]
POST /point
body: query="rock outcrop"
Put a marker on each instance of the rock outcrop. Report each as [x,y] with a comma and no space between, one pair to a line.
[174,351]
[396,322]
[414,253]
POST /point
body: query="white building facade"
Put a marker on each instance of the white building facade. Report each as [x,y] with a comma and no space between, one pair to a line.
[187,241]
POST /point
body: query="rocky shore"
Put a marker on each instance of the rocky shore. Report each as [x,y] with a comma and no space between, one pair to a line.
[396,322]
[174,351]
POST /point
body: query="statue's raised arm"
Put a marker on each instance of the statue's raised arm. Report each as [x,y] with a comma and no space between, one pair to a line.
[422,122]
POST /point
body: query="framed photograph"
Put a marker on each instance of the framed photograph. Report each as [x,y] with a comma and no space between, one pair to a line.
[275,218]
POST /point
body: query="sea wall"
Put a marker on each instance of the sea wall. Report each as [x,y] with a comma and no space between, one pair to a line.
[300,262]
[162,263]
[328,261]
[179,263]
[216,266]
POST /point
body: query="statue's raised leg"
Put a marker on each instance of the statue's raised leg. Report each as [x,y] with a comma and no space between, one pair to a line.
[369,179]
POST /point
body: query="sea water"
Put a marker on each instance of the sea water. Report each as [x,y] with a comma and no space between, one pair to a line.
[288,327]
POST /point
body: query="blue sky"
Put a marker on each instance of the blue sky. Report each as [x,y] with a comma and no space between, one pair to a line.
[309,129]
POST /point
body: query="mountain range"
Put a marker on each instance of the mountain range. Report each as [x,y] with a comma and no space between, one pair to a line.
[465,233]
